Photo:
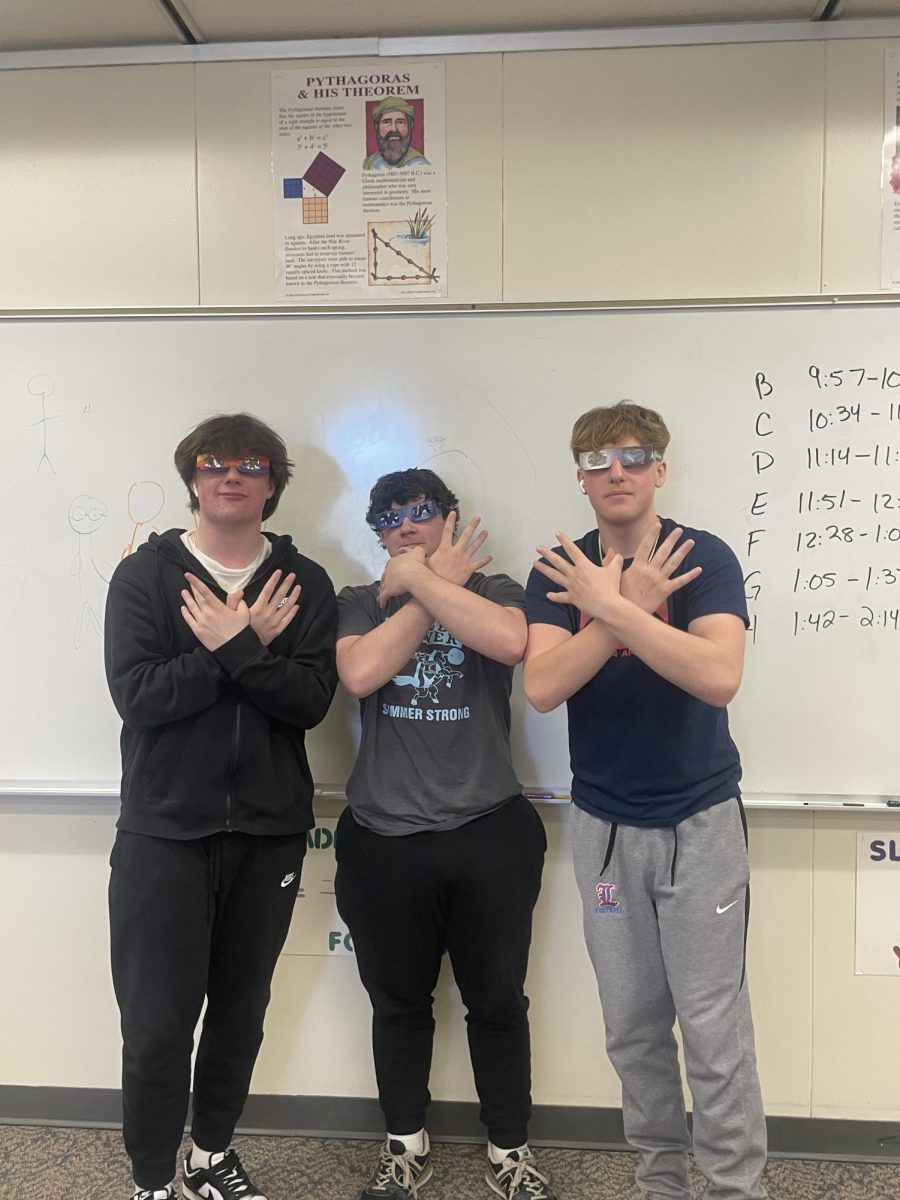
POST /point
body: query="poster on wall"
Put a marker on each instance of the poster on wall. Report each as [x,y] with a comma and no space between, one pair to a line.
[890,175]
[878,903]
[359,183]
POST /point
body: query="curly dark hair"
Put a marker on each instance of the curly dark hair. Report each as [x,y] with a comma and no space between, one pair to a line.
[399,487]
[234,434]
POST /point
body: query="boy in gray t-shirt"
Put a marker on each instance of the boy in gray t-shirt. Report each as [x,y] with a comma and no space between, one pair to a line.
[438,850]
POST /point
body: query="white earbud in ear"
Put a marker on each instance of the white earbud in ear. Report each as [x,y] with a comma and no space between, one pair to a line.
[194,488]
[583,488]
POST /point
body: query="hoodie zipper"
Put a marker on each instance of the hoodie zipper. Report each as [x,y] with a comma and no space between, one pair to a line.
[175,550]
[232,766]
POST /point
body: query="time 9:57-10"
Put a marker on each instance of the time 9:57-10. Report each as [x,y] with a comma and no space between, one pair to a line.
[883,377]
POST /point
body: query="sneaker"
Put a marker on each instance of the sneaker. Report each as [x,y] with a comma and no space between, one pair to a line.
[517,1178]
[166,1193]
[399,1173]
[224,1180]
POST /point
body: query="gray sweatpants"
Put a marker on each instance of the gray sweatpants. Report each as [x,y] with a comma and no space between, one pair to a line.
[665,925]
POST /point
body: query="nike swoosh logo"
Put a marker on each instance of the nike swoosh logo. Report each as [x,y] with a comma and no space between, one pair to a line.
[289,879]
[720,909]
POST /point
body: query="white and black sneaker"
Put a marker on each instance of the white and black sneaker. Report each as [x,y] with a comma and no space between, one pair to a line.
[517,1178]
[224,1179]
[166,1193]
[400,1172]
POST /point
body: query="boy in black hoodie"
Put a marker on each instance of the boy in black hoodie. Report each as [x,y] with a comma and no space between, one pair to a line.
[219,656]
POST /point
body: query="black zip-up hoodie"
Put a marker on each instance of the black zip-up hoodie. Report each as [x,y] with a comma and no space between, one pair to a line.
[214,740]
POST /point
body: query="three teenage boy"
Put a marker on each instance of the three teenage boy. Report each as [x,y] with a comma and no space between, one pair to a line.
[639,626]
[646,654]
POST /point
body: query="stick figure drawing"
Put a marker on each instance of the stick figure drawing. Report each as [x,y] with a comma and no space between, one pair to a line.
[42,386]
[86,516]
[145,503]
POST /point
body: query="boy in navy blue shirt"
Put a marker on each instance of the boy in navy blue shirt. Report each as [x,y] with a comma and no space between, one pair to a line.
[639,627]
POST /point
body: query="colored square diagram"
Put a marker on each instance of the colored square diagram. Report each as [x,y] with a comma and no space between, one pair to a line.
[315,210]
[324,174]
[293,189]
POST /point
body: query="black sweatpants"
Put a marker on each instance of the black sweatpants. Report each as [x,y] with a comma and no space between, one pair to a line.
[470,891]
[189,920]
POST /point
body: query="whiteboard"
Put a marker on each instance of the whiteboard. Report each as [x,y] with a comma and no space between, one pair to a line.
[799,472]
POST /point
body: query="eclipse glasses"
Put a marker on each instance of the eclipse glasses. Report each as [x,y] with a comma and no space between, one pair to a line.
[628,456]
[218,464]
[393,518]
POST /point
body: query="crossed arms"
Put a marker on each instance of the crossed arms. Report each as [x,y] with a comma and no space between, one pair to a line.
[152,686]
[706,660]
[437,590]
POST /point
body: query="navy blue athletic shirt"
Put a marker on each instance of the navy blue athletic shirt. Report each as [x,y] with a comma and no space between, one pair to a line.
[643,751]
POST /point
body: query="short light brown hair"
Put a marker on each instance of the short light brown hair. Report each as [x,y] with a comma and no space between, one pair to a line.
[235,434]
[600,427]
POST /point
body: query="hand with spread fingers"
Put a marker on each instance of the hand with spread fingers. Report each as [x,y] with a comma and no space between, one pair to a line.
[399,574]
[590,588]
[213,622]
[275,606]
[456,561]
[651,579]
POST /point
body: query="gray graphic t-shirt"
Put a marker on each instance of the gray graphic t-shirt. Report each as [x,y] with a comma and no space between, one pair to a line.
[434,748]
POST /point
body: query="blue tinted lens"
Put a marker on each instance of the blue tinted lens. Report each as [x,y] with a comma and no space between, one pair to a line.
[423,511]
[391,518]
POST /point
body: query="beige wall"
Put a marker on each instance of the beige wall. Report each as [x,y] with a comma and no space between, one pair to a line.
[854,129]
[98,196]
[674,172]
[666,173]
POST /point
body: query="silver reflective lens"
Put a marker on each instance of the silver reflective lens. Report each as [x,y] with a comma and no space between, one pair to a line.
[628,456]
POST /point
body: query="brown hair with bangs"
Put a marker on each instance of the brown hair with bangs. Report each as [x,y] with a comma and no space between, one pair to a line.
[601,427]
[234,435]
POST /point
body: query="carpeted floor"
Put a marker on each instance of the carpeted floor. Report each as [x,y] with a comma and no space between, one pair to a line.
[40,1163]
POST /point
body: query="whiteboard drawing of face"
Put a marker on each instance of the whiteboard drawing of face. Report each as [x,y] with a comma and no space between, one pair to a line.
[86,515]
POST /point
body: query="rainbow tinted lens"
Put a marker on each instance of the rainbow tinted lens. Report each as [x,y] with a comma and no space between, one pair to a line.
[393,518]
[248,464]
[628,456]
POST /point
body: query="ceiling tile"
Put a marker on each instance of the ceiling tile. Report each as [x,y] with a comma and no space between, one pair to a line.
[869,8]
[276,20]
[71,24]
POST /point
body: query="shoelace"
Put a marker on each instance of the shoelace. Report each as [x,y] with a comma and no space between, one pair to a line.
[230,1175]
[396,1168]
[525,1175]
